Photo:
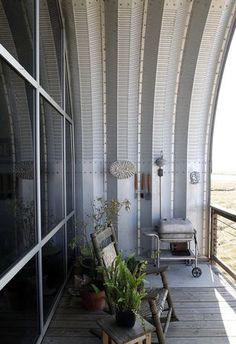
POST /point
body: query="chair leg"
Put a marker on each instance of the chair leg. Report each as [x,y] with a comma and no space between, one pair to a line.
[159,330]
[169,298]
[157,322]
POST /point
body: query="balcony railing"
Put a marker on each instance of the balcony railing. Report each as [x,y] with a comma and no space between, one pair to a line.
[223,239]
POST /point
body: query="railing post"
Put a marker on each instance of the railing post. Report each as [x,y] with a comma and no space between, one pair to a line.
[216,222]
[213,234]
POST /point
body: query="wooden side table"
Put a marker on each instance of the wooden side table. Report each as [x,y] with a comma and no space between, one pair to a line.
[122,335]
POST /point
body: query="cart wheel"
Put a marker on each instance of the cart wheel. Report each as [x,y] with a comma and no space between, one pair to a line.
[196,272]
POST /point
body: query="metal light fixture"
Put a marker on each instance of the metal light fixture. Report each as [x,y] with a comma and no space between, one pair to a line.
[160,162]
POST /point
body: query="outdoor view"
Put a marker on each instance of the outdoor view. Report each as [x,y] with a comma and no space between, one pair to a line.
[223,179]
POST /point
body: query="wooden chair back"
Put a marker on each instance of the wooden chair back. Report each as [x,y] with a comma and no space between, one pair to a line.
[105,246]
[106,250]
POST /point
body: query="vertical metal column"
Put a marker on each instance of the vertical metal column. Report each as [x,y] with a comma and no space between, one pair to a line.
[104,95]
[213,250]
[37,160]
[140,90]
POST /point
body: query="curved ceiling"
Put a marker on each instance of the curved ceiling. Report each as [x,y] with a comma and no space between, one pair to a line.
[144,78]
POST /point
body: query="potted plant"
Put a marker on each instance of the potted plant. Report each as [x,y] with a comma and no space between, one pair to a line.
[104,213]
[124,290]
[93,295]
[88,281]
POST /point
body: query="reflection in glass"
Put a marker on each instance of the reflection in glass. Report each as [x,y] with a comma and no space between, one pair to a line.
[67,96]
[53,270]
[17,220]
[69,173]
[70,236]
[51,49]
[17,30]
[19,307]
[51,167]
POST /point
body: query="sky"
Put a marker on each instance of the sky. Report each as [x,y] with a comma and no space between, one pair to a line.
[224,136]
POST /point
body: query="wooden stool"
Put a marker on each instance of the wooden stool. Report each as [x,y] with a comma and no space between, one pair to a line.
[140,333]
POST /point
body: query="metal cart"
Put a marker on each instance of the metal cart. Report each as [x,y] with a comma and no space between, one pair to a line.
[158,254]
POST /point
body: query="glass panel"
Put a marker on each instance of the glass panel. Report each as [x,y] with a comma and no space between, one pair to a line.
[69,172]
[51,49]
[17,30]
[53,270]
[70,236]
[19,307]
[51,167]
[17,220]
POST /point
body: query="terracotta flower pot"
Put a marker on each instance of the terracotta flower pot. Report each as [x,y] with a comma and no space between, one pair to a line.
[93,301]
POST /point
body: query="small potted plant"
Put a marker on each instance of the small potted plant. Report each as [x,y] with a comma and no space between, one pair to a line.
[87,281]
[93,295]
[124,290]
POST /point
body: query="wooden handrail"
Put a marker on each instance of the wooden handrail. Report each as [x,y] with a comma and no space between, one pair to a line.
[228,214]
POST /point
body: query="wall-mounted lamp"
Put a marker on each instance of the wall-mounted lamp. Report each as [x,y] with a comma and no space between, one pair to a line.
[160,162]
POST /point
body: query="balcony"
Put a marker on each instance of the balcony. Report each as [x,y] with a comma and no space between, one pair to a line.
[206,306]
[83,85]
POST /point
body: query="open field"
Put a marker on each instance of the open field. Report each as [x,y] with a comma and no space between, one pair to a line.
[223,194]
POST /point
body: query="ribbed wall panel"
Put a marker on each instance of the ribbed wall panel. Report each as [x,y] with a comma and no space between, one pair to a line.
[123,57]
[154,18]
[135,52]
[84,78]
[193,40]
[95,44]
[148,212]
[130,21]
[174,21]
[111,13]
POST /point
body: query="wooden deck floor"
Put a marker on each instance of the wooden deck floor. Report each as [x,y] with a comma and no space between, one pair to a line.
[206,316]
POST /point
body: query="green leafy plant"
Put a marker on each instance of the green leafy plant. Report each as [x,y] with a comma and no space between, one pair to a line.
[123,287]
[105,212]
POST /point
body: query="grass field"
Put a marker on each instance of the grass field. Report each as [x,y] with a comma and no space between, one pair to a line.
[223,194]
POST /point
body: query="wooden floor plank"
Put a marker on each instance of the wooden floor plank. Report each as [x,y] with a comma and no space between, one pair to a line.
[71,340]
[206,316]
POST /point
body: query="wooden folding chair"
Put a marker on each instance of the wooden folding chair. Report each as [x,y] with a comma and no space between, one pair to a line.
[153,305]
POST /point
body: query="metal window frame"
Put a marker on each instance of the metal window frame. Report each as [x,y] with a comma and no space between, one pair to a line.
[36,251]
